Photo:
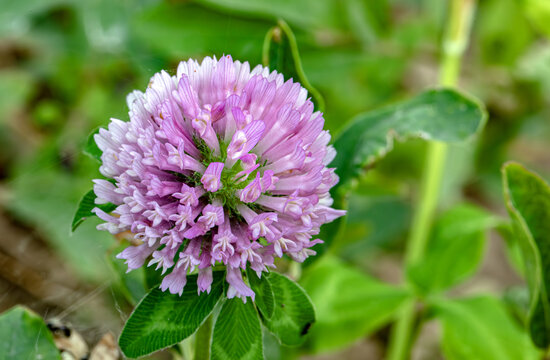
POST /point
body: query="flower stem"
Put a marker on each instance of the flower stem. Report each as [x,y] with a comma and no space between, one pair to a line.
[202,340]
[455,42]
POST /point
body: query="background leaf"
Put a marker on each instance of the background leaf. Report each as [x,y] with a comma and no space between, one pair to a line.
[538,11]
[305,13]
[281,53]
[13,11]
[503,35]
[293,314]
[15,87]
[25,336]
[528,201]
[162,319]
[45,195]
[349,304]
[480,329]
[178,30]
[237,333]
[455,248]
[444,115]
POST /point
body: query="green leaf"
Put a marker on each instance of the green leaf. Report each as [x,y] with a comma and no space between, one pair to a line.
[293,314]
[444,115]
[237,333]
[538,12]
[503,32]
[349,304]
[374,222]
[280,53]
[15,12]
[513,250]
[517,302]
[264,300]
[25,336]
[455,248]
[481,329]
[85,207]
[178,31]
[16,86]
[528,202]
[90,148]
[162,319]
[308,14]
[45,199]
[352,81]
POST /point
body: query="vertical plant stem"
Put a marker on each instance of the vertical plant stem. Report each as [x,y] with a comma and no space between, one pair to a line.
[429,194]
[202,340]
[187,347]
[401,332]
[455,42]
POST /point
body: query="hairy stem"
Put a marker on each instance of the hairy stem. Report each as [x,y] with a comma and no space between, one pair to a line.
[455,42]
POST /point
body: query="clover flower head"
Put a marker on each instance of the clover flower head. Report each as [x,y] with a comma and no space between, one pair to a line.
[218,165]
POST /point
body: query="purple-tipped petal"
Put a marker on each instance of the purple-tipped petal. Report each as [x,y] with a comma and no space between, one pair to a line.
[204,280]
[237,286]
[252,191]
[211,180]
[244,140]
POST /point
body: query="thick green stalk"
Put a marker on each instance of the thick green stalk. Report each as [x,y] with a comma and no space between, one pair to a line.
[203,339]
[187,348]
[401,333]
[429,194]
[455,42]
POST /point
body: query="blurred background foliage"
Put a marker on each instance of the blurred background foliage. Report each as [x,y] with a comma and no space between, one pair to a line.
[66,67]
